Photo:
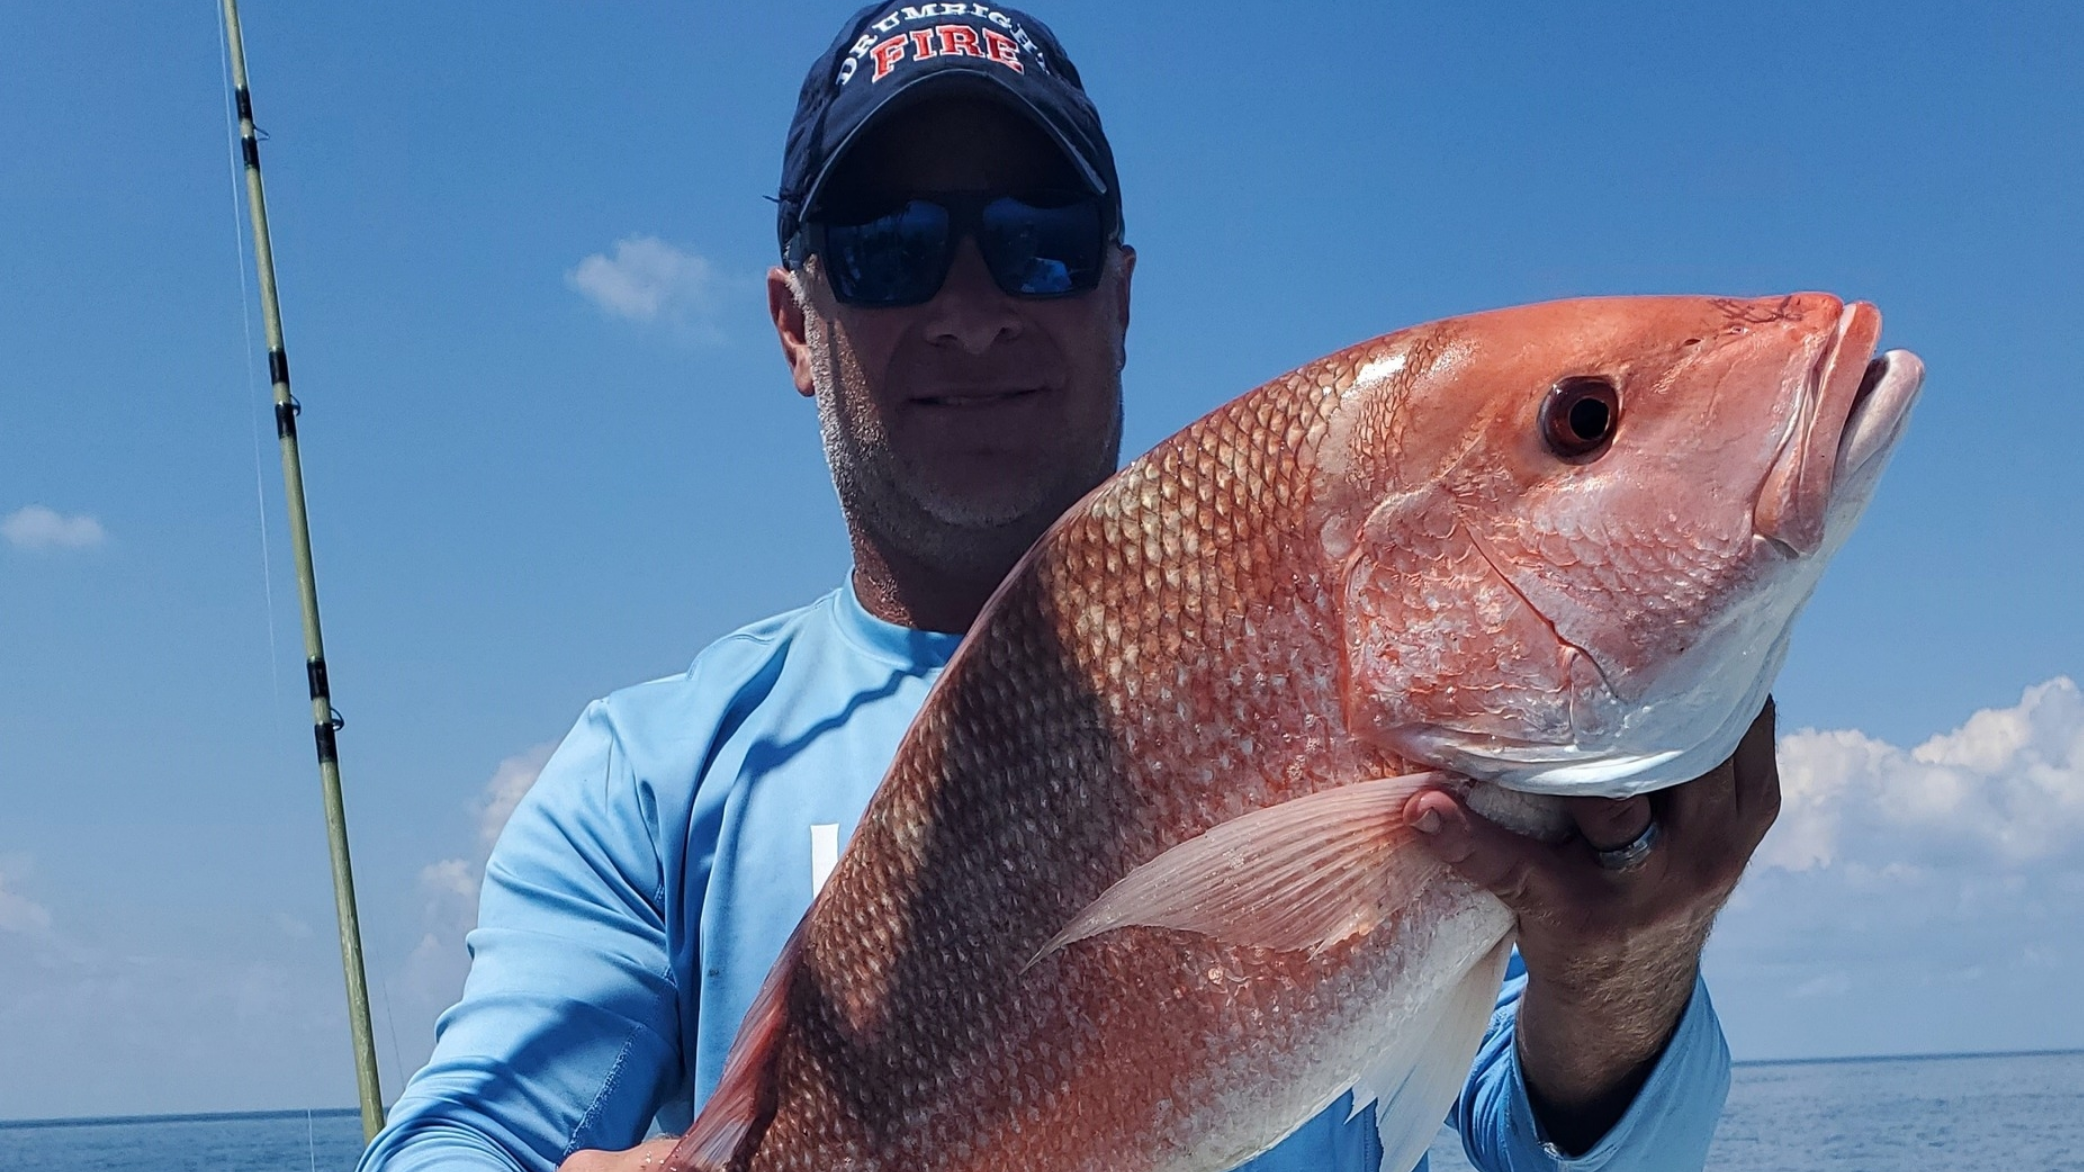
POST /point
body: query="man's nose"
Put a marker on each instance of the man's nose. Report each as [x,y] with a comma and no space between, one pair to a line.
[971,311]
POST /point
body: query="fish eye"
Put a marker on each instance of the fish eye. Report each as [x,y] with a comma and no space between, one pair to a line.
[1579,417]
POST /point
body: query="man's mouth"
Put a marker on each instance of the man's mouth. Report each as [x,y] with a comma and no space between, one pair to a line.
[977,398]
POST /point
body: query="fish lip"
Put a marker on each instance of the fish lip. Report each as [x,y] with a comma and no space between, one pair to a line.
[1780,547]
[1880,409]
[1795,498]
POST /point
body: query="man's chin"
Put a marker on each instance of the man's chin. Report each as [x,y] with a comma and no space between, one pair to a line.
[979,532]
[987,516]
[988,499]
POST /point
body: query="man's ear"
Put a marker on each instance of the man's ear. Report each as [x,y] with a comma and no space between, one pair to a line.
[789,326]
[1122,301]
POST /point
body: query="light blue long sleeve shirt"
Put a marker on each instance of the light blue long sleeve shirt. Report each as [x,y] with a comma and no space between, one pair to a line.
[642,889]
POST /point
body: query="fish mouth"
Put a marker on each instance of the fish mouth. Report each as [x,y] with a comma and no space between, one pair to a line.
[1849,411]
[1879,410]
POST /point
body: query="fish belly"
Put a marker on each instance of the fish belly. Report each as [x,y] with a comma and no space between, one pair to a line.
[1145,1050]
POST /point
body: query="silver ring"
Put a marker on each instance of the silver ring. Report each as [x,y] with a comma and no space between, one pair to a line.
[1631,855]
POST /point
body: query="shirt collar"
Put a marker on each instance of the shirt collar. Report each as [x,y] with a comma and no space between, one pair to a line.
[920,651]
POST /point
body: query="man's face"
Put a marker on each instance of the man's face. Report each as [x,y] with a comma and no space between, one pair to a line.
[957,430]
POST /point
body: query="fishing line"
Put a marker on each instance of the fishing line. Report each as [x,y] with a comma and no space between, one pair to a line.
[253,407]
[391,1023]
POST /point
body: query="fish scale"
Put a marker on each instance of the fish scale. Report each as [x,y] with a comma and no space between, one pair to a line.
[1136,893]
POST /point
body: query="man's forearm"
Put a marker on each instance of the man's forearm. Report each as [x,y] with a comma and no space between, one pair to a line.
[1587,1041]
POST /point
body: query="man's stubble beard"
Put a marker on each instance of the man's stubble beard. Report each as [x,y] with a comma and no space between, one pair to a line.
[895,505]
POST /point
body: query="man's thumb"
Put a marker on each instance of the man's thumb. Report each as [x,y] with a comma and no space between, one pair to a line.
[1507,865]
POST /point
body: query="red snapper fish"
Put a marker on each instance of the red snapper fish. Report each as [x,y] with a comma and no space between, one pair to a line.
[1137,893]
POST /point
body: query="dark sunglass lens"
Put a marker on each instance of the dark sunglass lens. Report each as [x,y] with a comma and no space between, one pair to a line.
[1043,250]
[898,258]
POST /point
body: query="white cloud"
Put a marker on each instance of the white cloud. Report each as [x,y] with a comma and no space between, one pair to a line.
[92,1021]
[1831,984]
[202,1011]
[19,913]
[650,281]
[1919,899]
[38,527]
[509,783]
[450,879]
[2006,788]
[451,885]
[432,975]
[453,881]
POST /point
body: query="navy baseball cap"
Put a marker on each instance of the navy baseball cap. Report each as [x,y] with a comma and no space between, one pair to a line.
[890,55]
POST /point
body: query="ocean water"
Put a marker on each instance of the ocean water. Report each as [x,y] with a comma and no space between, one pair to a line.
[1982,1113]
[273,1141]
[1969,1113]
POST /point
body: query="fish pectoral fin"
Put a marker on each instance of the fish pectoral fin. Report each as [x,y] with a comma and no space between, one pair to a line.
[1304,874]
[1414,1082]
[743,1103]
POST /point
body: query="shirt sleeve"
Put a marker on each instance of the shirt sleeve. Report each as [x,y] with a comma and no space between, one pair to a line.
[567,1034]
[1668,1127]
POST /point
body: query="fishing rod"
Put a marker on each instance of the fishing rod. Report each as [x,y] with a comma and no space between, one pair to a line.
[325,722]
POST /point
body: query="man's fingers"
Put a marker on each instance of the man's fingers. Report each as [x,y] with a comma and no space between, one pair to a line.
[1606,823]
[1508,865]
[1726,811]
[1758,771]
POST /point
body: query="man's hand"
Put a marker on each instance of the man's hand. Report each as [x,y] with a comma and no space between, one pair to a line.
[645,1157]
[1611,955]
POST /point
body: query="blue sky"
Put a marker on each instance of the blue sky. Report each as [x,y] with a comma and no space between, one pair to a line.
[551,450]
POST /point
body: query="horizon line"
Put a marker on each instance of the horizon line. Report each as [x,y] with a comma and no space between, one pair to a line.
[314,1112]
[1910,1057]
[179,1117]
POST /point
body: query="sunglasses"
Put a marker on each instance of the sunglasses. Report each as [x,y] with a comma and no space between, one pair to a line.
[1038,245]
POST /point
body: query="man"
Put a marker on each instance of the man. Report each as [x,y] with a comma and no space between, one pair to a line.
[954,297]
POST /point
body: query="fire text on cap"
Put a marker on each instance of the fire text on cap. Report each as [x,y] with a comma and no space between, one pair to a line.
[990,35]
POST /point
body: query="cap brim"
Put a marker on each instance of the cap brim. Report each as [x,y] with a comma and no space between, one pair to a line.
[954,78]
